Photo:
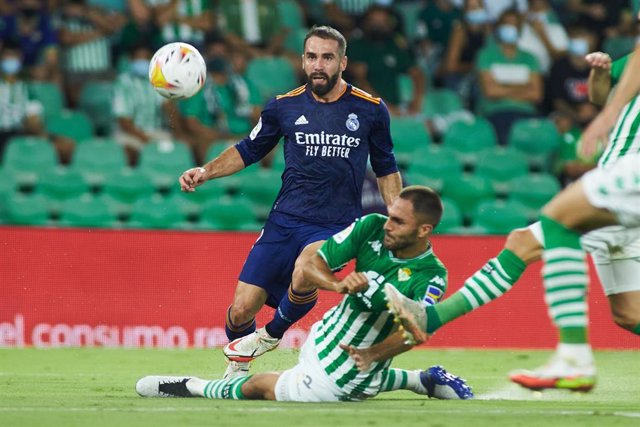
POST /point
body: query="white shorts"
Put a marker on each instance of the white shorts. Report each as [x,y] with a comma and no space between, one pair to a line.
[616,254]
[307,381]
[617,189]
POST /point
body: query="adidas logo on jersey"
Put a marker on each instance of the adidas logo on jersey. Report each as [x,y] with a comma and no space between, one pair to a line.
[302,120]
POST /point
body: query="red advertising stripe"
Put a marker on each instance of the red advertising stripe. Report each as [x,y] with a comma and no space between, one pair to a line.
[63,287]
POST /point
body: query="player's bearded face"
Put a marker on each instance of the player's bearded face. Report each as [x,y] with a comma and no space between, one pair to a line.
[399,239]
[321,83]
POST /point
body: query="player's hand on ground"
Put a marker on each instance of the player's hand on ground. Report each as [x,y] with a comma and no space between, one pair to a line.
[599,60]
[352,284]
[191,178]
[362,357]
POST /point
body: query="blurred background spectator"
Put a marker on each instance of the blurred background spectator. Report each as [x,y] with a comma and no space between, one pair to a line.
[509,77]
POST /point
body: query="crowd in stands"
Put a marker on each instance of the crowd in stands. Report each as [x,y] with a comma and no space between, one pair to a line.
[472,85]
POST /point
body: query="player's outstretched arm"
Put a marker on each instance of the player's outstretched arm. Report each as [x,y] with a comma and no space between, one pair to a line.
[389,187]
[392,346]
[627,88]
[227,163]
[599,82]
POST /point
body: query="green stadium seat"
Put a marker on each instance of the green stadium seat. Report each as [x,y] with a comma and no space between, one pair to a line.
[418,178]
[452,219]
[278,159]
[8,189]
[405,86]
[27,157]
[96,101]
[216,149]
[61,184]
[438,102]
[28,210]
[618,46]
[294,42]
[49,95]
[467,191]
[500,217]
[533,191]
[501,165]
[156,212]
[165,161]
[122,189]
[229,214]
[96,158]
[271,75]
[291,16]
[408,135]
[436,161]
[261,189]
[86,211]
[469,139]
[538,139]
[71,124]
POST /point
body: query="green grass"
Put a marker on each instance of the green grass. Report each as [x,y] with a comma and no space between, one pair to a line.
[95,387]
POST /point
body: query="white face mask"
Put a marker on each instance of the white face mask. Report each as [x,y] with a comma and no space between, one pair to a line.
[11,66]
[578,47]
[508,34]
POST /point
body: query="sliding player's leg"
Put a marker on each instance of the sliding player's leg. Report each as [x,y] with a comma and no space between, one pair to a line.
[434,382]
[254,387]
[491,281]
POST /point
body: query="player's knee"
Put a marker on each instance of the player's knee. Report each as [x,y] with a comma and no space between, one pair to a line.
[522,243]
[626,319]
[259,387]
[240,314]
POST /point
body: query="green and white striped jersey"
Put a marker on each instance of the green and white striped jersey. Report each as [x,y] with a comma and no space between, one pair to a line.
[135,98]
[363,320]
[625,137]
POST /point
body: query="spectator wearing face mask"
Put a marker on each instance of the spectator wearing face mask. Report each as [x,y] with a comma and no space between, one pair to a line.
[139,109]
[31,27]
[543,35]
[568,80]
[510,78]
[18,114]
[379,57]
[227,105]
[467,39]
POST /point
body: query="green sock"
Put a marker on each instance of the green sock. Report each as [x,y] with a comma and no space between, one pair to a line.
[636,330]
[565,281]
[225,389]
[401,379]
[495,278]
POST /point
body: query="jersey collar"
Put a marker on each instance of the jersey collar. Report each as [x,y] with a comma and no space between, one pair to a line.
[424,254]
[345,91]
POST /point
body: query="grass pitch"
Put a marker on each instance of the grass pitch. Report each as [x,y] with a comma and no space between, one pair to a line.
[95,387]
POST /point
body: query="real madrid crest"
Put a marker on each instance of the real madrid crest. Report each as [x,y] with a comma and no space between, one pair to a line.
[352,122]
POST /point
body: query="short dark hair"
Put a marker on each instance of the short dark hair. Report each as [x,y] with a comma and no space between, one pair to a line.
[327,33]
[426,203]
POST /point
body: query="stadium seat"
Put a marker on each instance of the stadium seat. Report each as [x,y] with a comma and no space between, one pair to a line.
[271,75]
[86,211]
[436,161]
[469,139]
[96,101]
[229,214]
[467,191]
[261,189]
[216,149]
[408,135]
[538,139]
[28,210]
[27,157]
[501,165]
[278,159]
[438,102]
[61,184]
[452,219]
[405,86]
[164,162]
[71,124]
[49,95]
[294,42]
[96,158]
[8,188]
[533,191]
[156,212]
[122,189]
[291,16]
[499,217]
[418,178]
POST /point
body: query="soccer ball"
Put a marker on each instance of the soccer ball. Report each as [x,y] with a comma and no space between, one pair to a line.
[177,70]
